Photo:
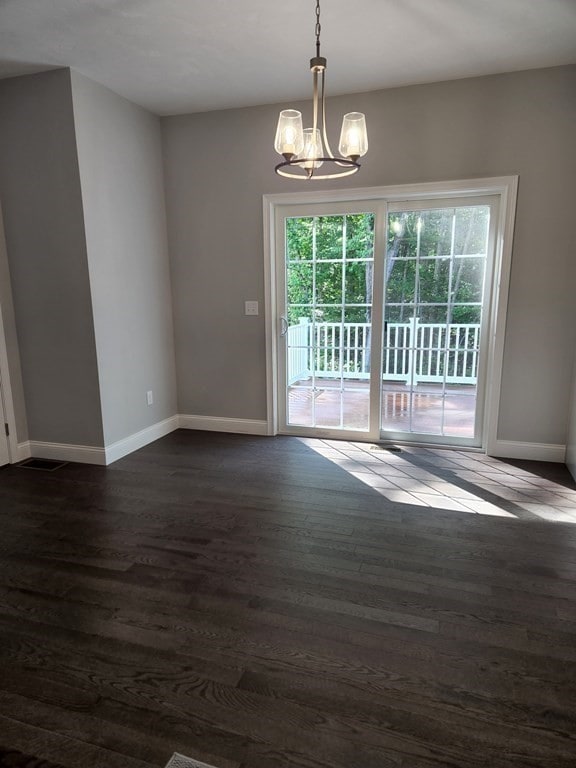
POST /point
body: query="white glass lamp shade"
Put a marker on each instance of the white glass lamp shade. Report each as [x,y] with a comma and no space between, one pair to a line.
[289,139]
[353,137]
[312,148]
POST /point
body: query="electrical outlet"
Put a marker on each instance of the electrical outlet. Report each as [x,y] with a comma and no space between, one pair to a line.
[250,307]
[149,397]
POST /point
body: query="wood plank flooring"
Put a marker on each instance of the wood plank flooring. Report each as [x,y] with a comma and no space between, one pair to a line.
[289,603]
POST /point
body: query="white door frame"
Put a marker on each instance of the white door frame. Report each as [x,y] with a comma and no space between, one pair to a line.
[6,386]
[504,187]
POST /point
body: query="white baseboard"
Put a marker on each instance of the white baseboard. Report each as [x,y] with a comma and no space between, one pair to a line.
[84,454]
[138,440]
[23,452]
[87,454]
[221,424]
[510,449]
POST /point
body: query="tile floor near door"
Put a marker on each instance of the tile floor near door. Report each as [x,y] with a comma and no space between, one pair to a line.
[464,481]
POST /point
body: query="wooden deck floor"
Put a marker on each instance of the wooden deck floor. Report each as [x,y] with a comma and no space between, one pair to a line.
[284,602]
[428,409]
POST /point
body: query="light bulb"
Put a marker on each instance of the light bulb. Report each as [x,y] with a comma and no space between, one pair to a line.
[353,142]
[289,139]
[312,149]
[353,136]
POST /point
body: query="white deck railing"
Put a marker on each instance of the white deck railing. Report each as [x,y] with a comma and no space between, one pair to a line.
[413,352]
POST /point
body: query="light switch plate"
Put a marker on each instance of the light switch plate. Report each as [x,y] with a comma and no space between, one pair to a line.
[250,307]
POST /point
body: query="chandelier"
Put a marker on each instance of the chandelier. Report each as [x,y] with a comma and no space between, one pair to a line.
[305,150]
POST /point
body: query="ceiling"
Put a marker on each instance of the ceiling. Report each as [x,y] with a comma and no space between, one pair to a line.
[178,56]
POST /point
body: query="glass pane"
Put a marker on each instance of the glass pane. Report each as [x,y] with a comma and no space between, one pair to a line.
[299,283]
[427,410]
[299,238]
[403,235]
[468,280]
[329,237]
[329,283]
[328,403]
[298,313]
[360,236]
[401,280]
[435,313]
[436,233]
[429,356]
[461,365]
[459,414]
[300,406]
[326,352]
[359,280]
[359,314]
[298,341]
[397,355]
[327,314]
[396,406]
[433,281]
[356,343]
[356,408]
[471,230]
[399,313]
[464,313]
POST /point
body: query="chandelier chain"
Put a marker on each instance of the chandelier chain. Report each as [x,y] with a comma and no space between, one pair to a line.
[318,28]
[305,150]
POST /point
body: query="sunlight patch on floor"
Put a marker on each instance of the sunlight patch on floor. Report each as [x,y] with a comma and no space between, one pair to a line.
[423,477]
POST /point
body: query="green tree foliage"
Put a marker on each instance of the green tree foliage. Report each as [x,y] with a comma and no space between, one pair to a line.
[434,266]
[330,267]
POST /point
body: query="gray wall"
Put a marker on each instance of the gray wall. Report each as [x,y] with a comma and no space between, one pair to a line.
[41,200]
[218,166]
[120,158]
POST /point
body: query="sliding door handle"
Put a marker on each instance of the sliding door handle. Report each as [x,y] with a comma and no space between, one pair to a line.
[283,326]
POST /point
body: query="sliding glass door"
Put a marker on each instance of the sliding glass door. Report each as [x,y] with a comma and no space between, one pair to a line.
[326,294]
[437,292]
[383,319]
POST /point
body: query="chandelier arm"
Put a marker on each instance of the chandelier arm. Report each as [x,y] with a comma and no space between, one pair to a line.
[315,101]
[323,104]
[294,169]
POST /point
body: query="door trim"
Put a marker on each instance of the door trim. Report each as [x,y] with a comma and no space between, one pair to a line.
[504,187]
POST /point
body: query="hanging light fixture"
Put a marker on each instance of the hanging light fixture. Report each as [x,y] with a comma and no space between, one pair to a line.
[305,150]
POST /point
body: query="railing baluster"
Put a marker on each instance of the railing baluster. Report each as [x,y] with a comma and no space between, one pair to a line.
[429,345]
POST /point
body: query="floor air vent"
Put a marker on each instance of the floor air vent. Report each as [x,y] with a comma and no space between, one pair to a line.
[46,465]
[181,761]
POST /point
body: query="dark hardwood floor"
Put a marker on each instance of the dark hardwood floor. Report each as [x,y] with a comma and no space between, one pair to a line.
[277,602]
